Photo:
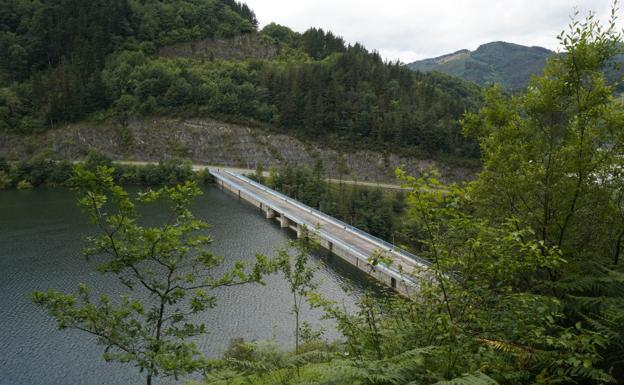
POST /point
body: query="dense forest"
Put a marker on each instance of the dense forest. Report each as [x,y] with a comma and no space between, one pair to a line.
[55,51]
[106,66]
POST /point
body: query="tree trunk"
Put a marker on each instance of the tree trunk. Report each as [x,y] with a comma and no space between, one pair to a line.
[618,245]
[296,326]
[297,334]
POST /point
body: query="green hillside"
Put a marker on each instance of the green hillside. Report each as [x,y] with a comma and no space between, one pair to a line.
[57,50]
[507,64]
[511,65]
[100,60]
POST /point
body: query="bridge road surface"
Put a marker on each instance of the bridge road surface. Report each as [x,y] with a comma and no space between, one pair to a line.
[349,237]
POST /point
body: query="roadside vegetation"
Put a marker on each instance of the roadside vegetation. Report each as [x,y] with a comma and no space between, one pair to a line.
[55,173]
[377,211]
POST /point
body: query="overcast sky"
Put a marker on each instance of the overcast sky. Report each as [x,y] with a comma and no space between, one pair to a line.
[416,29]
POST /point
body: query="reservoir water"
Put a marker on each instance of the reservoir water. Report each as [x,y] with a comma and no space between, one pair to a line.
[41,234]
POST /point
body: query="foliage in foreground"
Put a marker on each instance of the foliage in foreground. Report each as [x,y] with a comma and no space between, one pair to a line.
[527,281]
[167,270]
[299,274]
[553,160]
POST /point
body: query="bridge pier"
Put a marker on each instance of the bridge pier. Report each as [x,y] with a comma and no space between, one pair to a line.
[283,221]
[269,213]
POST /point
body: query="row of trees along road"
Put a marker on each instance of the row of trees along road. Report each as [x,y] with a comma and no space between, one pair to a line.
[526,285]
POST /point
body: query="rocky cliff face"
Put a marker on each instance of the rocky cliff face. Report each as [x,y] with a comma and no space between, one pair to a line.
[210,142]
[247,46]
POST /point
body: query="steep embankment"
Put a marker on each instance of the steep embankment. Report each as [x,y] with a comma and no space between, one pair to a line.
[206,141]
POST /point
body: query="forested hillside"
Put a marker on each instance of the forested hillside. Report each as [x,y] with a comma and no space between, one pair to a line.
[98,60]
[510,65]
[507,64]
[56,50]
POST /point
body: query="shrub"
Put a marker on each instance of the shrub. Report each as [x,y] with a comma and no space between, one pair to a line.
[5,180]
[24,185]
[95,159]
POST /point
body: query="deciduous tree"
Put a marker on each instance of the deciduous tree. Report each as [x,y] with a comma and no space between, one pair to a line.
[167,269]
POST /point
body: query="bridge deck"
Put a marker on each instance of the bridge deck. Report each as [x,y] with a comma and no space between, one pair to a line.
[297,212]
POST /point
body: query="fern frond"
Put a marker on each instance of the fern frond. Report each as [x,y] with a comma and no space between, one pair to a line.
[475,378]
[414,353]
[313,356]
[594,374]
[251,366]
[607,283]
[583,304]
[609,327]
[385,378]
[507,347]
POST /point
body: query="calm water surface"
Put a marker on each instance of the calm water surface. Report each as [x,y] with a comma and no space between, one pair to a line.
[41,235]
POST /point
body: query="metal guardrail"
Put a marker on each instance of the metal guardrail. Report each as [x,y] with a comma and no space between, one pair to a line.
[390,270]
[362,234]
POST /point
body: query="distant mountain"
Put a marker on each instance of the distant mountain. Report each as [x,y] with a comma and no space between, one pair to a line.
[498,62]
[508,64]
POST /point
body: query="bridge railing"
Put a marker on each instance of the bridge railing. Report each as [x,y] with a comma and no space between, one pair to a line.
[380,242]
[387,269]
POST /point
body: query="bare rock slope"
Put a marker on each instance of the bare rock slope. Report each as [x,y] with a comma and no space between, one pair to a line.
[211,142]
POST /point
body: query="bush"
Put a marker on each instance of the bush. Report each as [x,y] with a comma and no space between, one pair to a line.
[57,173]
[24,185]
[4,164]
[203,176]
[60,173]
[5,180]
[95,159]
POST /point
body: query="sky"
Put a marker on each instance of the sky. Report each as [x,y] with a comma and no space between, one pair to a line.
[410,30]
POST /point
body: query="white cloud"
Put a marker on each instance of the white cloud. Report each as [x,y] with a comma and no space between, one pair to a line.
[414,29]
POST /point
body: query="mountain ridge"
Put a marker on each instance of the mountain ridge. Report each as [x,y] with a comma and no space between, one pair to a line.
[509,64]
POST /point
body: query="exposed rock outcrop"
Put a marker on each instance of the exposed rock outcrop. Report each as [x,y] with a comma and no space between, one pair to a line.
[208,141]
[247,46]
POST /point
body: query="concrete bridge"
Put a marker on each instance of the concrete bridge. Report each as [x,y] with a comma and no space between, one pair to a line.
[345,241]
